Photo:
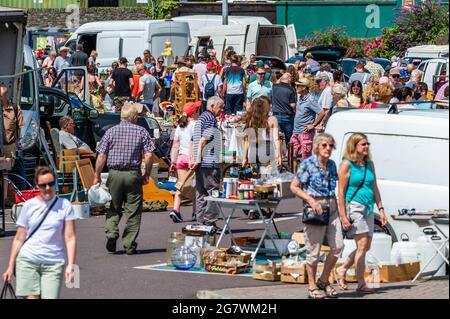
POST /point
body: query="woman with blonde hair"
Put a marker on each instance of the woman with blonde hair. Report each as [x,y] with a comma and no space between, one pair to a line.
[358,194]
[339,93]
[315,184]
[377,95]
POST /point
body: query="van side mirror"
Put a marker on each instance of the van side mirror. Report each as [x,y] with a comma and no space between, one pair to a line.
[93,114]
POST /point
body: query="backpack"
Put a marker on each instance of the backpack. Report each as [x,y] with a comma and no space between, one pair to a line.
[210,89]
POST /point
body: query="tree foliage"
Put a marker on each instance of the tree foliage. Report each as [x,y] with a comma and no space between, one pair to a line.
[161,9]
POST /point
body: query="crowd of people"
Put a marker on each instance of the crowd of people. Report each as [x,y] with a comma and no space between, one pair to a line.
[294,102]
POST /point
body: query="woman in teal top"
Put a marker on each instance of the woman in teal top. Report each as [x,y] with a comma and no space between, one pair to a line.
[358,194]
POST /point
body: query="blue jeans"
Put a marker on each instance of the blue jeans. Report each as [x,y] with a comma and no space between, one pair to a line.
[234,103]
[286,124]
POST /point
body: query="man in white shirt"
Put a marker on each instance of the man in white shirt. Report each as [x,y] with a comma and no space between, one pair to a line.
[67,137]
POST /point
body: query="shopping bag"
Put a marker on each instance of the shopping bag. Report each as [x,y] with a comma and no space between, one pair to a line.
[8,291]
[98,195]
[186,186]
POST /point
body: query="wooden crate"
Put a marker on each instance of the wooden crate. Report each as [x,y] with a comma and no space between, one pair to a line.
[386,273]
[268,271]
[226,269]
[294,274]
[319,272]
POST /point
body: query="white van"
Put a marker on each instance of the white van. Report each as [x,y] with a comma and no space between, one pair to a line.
[411,155]
[427,51]
[432,69]
[115,39]
[247,35]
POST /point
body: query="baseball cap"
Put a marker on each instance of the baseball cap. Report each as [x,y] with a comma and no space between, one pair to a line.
[123,60]
[303,82]
[190,107]
[394,71]
[210,66]
[260,64]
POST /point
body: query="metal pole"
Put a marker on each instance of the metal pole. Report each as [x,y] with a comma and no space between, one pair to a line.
[225,12]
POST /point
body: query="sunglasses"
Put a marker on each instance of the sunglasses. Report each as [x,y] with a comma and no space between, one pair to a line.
[160,61]
[365,144]
[324,145]
[261,73]
[396,76]
[44,186]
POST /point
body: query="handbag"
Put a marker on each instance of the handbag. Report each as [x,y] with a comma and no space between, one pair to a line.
[8,288]
[186,185]
[309,215]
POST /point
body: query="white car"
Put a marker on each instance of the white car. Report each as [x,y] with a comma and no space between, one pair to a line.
[410,151]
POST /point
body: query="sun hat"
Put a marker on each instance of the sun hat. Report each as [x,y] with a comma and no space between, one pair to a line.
[303,82]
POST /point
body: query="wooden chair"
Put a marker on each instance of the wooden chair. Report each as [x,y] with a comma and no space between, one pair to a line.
[86,173]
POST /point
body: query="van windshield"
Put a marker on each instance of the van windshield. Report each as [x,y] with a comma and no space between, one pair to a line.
[28,94]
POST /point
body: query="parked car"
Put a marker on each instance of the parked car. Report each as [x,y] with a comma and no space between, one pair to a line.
[348,64]
[411,154]
[330,54]
[418,54]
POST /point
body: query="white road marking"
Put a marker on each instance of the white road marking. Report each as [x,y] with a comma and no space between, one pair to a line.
[280,219]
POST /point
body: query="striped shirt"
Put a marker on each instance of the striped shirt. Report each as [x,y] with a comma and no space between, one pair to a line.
[123,145]
[206,127]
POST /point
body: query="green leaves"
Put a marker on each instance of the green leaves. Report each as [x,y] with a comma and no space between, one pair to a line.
[161,9]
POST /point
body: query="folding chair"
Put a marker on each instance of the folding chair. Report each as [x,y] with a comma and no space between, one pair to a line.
[438,249]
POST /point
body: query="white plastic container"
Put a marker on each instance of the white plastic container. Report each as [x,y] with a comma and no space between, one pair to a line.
[426,252]
[380,249]
[404,251]
[81,210]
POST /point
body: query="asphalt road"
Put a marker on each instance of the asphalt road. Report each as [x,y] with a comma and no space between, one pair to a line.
[104,275]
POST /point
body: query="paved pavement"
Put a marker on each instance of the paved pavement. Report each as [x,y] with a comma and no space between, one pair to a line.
[104,275]
[422,289]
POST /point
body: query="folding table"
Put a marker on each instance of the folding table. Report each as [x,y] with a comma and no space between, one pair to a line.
[245,204]
[435,221]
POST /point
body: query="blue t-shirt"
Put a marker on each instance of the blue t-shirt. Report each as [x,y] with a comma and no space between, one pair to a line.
[314,180]
[235,79]
[307,110]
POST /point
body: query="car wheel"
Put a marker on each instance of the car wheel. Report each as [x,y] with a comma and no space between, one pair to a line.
[387,229]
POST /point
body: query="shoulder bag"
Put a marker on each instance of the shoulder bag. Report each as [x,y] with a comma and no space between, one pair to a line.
[38,226]
[309,215]
[359,186]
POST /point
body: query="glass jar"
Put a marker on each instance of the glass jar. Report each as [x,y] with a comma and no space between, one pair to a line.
[175,241]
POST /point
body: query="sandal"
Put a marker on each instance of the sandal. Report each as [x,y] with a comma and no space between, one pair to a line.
[330,292]
[312,295]
[342,283]
[365,289]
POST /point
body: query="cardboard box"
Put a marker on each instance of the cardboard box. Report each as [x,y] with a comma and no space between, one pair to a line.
[268,271]
[400,272]
[295,274]
[299,237]
[386,273]
[227,269]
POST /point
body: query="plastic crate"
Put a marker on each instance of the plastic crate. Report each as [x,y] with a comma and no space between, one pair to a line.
[27,194]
